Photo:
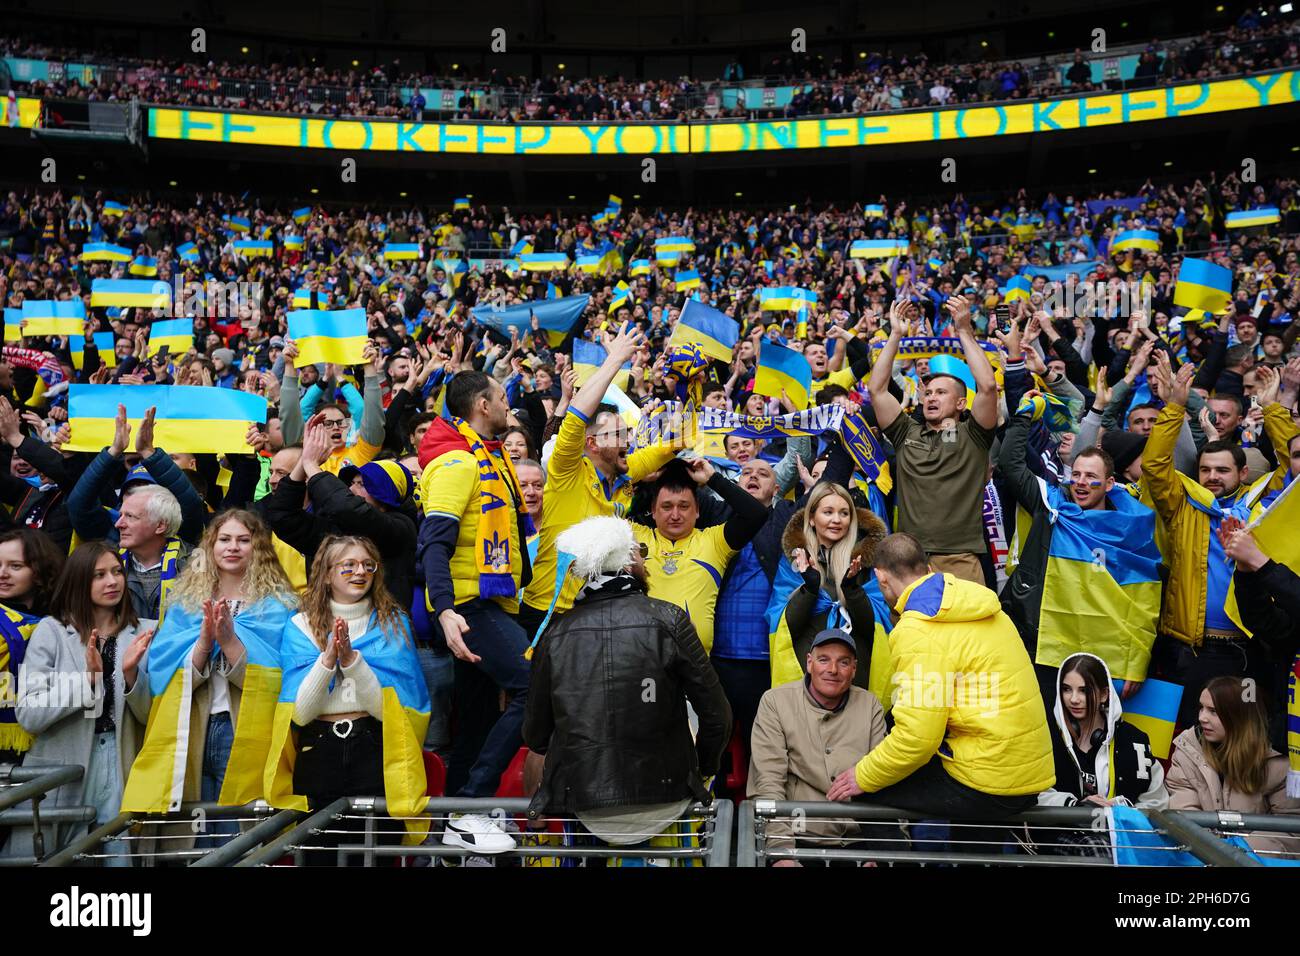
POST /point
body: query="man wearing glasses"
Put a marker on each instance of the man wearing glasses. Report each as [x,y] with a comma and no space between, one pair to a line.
[335,418]
[589,473]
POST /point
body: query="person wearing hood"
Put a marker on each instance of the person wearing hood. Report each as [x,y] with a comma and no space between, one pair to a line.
[1099,758]
[970,735]
[618,747]
[825,583]
[1225,762]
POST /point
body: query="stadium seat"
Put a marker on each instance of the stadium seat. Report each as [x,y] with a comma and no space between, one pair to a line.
[435,773]
[512,781]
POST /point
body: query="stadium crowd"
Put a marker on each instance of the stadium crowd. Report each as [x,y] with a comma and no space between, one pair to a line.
[876,81]
[461,524]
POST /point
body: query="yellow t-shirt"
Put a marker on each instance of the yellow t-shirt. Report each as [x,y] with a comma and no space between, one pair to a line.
[359,453]
[293,563]
[688,572]
[449,487]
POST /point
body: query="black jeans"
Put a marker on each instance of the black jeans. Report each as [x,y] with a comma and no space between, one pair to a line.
[1193,668]
[330,766]
[744,682]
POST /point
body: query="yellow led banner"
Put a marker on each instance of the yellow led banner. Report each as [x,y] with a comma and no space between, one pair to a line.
[27,112]
[874,129]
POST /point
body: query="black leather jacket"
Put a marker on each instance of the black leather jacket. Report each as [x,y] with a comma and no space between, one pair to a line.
[607,705]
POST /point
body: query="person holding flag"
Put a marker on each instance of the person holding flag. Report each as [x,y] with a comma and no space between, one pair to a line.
[945,459]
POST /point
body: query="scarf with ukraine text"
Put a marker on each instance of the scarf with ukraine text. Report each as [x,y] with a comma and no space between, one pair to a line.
[498,491]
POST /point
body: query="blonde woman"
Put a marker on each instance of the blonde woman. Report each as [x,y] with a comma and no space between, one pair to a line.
[828,546]
[353,706]
[213,672]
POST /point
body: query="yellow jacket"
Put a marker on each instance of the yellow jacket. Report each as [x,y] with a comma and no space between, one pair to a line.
[964,688]
[1186,510]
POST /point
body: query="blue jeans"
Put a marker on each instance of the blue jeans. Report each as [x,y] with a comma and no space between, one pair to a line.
[439,675]
[104,793]
[216,754]
[498,639]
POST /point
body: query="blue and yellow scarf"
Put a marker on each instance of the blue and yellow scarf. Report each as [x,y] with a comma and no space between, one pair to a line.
[171,569]
[15,631]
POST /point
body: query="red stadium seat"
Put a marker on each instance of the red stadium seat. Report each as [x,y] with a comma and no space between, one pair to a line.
[435,772]
[738,774]
[512,781]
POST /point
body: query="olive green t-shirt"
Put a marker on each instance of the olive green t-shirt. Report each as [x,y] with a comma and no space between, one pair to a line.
[940,479]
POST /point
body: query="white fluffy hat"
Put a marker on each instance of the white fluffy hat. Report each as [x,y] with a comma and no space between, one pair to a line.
[599,545]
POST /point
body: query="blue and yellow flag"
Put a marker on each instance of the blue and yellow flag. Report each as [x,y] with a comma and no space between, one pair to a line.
[302,298]
[590,356]
[302,215]
[1262,216]
[780,368]
[460,203]
[873,211]
[137,293]
[878,248]
[556,317]
[639,267]
[1101,588]
[294,243]
[785,298]
[406,709]
[1148,240]
[687,279]
[54,317]
[544,261]
[1203,285]
[237,223]
[715,333]
[190,418]
[114,209]
[188,252]
[145,266]
[176,334]
[328,336]
[254,248]
[105,252]
[103,342]
[401,250]
[1018,288]
[589,265]
[867,452]
[1154,711]
[13,324]
[157,780]
[622,297]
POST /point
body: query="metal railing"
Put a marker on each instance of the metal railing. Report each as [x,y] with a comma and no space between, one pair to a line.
[1041,836]
[354,827]
[227,833]
[19,785]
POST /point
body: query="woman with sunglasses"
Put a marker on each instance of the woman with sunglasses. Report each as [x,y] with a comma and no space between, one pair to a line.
[353,706]
[212,673]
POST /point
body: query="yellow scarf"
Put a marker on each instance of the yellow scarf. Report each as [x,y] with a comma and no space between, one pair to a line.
[499,502]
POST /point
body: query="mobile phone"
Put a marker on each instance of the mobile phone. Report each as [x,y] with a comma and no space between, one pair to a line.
[1002,316]
[163,354]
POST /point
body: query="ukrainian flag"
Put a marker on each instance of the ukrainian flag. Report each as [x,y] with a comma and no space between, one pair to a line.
[782,368]
[615,202]
[115,209]
[557,317]
[589,356]
[237,223]
[1106,605]
[1263,216]
[715,333]
[140,293]
[302,215]
[589,264]
[689,279]
[254,248]
[103,342]
[189,417]
[1203,285]
[599,218]
[873,211]
[336,336]
[294,243]
[144,266]
[13,325]
[544,261]
[401,250]
[1153,710]
[176,334]
[553,291]
[622,297]
[157,780]
[406,709]
[105,252]
[935,263]
[669,250]
[1017,287]
[50,317]
[639,267]
[302,298]
[189,252]
[878,248]
[521,247]
[462,203]
[1145,239]
[785,298]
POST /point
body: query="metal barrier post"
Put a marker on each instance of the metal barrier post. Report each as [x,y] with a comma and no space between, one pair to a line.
[1204,846]
[723,821]
[233,849]
[69,854]
[746,837]
[276,848]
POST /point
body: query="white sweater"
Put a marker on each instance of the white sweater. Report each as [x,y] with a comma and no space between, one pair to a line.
[358,689]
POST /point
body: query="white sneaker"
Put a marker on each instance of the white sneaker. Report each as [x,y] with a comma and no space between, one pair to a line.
[476,832]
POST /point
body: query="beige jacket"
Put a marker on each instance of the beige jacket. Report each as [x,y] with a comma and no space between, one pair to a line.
[798,749]
[1194,785]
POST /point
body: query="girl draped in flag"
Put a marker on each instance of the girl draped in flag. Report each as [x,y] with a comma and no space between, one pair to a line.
[29,565]
[214,673]
[353,706]
[82,698]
